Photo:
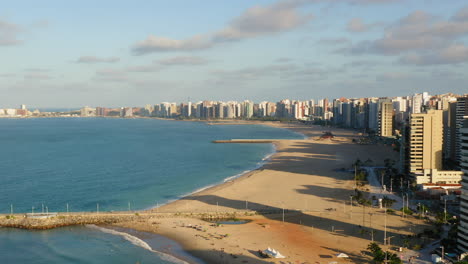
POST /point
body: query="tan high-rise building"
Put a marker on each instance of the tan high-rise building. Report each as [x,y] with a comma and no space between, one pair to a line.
[386,119]
[426,135]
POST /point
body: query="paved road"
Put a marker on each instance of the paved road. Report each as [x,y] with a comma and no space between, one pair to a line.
[377,190]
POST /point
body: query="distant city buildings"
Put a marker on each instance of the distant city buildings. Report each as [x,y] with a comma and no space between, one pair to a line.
[12,112]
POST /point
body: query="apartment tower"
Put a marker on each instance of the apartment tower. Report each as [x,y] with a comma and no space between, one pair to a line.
[386,119]
[461,111]
[425,141]
[463,227]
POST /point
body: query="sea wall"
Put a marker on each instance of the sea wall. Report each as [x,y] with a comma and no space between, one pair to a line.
[24,222]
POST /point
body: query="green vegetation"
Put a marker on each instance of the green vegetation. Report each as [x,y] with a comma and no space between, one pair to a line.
[10,217]
[406,210]
[387,202]
[383,257]
[359,197]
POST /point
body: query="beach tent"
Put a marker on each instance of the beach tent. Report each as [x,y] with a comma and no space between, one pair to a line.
[272,253]
[342,255]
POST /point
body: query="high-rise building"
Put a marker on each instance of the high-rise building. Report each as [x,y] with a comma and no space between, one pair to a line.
[373,114]
[416,103]
[461,111]
[425,143]
[463,227]
[450,130]
[425,153]
[385,119]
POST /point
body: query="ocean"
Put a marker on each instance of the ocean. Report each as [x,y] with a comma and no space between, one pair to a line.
[117,164]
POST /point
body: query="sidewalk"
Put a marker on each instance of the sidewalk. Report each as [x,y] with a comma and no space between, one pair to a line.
[375,188]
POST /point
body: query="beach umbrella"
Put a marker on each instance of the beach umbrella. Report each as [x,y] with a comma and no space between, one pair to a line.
[342,255]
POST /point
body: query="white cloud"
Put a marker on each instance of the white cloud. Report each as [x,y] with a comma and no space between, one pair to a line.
[420,39]
[9,33]
[94,59]
[159,44]
[263,20]
[453,54]
[357,25]
[256,21]
[183,60]
[37,76]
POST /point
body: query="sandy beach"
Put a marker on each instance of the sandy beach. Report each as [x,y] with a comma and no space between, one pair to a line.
[304,178]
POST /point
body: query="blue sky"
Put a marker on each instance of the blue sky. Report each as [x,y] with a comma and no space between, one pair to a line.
[132,53]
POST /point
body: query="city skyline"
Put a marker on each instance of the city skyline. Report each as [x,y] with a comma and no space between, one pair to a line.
[123,53]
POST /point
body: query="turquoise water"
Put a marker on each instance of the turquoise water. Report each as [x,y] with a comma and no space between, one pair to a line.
[82,162]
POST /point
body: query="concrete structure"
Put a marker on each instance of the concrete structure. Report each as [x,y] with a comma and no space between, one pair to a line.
[425,143]
[386,119]
[440,177]
[461,112]
[416,103]
[463,227]
[88,111]
[450,130]
[373,114]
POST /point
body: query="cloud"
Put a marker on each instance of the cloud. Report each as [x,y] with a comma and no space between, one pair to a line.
[160,44]
[454,54]
[263,20]
[7,75]
[143,68]
[357,25]
[111,75]
[256,21]
[368,2]
[388,76]
[461,15]
[334,41]
[283,60]
[254,73]
[94,59]
[37,70]
[37,76]
[9,33]
[420,39]
[183,60]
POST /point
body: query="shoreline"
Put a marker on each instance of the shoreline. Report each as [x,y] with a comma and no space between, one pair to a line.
[303,177]
[228,179]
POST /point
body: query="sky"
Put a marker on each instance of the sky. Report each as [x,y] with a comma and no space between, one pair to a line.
[132,53]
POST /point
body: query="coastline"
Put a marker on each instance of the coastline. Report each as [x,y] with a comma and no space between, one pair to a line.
[302,177]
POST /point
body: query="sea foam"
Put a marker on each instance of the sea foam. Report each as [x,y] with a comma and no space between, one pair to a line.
[140,243]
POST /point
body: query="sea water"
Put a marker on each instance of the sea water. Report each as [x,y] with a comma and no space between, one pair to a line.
[117,164]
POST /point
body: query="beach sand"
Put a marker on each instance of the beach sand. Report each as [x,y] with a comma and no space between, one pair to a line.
[303,176]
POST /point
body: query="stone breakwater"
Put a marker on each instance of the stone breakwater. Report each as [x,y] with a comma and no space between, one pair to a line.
[23,222]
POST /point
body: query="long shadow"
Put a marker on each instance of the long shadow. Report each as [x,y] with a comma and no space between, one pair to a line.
[355,257]
[218,256]
[291,216]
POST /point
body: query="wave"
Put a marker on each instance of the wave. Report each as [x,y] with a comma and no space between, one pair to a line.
[140,243]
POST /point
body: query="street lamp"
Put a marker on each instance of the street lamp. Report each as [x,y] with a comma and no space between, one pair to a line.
[445,210]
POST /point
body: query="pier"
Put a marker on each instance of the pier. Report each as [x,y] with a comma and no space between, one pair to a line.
[25,221]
